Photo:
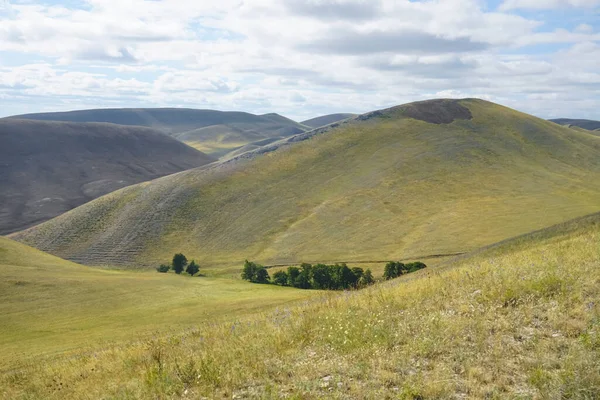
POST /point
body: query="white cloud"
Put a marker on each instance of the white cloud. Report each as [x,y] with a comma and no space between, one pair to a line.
[547,4]
[300,58]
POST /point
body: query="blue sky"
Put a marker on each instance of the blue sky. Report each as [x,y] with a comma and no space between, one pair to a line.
[300,58]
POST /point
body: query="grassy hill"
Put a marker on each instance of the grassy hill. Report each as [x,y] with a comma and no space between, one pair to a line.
[210,131]
[587,124]
[50,306]
[47,168]
[326,120]
[426,178]
[516,320]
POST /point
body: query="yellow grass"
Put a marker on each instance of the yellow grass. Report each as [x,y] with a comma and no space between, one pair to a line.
[519,320]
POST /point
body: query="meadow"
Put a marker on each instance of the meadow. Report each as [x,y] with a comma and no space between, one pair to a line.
[517,320]
[49,306]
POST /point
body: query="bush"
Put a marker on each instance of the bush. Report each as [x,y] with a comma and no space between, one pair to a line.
[255,273]
[193,268]
[280,278]
[366,279]
[179,263]
[163,268]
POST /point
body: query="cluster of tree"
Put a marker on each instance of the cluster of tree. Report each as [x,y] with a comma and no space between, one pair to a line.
[394,269]
[180,264]
[307,276]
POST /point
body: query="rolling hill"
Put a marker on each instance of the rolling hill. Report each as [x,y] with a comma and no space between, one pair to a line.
[47,168]
[50,306]
[210,131]
[326,120]
[426,178]
[587,124]
[516,319]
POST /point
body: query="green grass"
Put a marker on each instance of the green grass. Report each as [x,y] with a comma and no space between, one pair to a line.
[389,187]
[49,306]
[517,320]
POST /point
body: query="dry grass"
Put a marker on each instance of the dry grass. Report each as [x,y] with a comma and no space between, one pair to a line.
[385,188]
[521,320]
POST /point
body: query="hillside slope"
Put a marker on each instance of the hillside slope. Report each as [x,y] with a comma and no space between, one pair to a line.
[47,168]
[326,120]
[213,132]
[590,125]
[520,319]
[433,177]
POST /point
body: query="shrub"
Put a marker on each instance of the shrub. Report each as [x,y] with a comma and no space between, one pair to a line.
[366,279]
[163,268]
[255,273]
[179,263]
[293,273]
[280,278]
[192,268]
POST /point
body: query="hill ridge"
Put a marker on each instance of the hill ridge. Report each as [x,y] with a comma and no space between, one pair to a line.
[382,185]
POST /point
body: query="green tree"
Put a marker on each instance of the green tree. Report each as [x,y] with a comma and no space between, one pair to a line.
[249,271]
[358,273]
[261,275]
[293,273]
[322,277]
[179,263]
[192,268]
[302,281]
[366,279]
[280,278]
[163,268]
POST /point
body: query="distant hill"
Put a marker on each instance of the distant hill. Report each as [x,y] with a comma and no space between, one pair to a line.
[426,178]
[588,124]
[326,120]
[213,132]
[47,168]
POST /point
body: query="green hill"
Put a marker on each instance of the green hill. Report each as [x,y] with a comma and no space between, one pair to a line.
[210,131]
[326,120]
[50,306]
[519,319]
[434,177]
[587,124]
[47,168]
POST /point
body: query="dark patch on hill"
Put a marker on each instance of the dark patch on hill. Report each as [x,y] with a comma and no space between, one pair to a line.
[588,124]
[440,111]
[48,168]
[326,120]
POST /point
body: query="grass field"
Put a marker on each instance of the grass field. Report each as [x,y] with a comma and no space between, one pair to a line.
[516,320]
[49,306]
[384,187]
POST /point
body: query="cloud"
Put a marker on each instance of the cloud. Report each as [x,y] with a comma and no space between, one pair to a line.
[349,41]
[547,4]
[335,9]
[299,58]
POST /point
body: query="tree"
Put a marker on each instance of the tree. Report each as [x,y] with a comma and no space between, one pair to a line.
[293,273]
[358,273]
[347,278]
[179,263]
[261,275]
[393,270]
[163,268]
[303,280]
[249,271]
[255,273]
[322,277]
[415,266]
[366,279]
[193,268]
[280,278]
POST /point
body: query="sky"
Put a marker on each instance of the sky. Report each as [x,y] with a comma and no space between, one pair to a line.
[299,58]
